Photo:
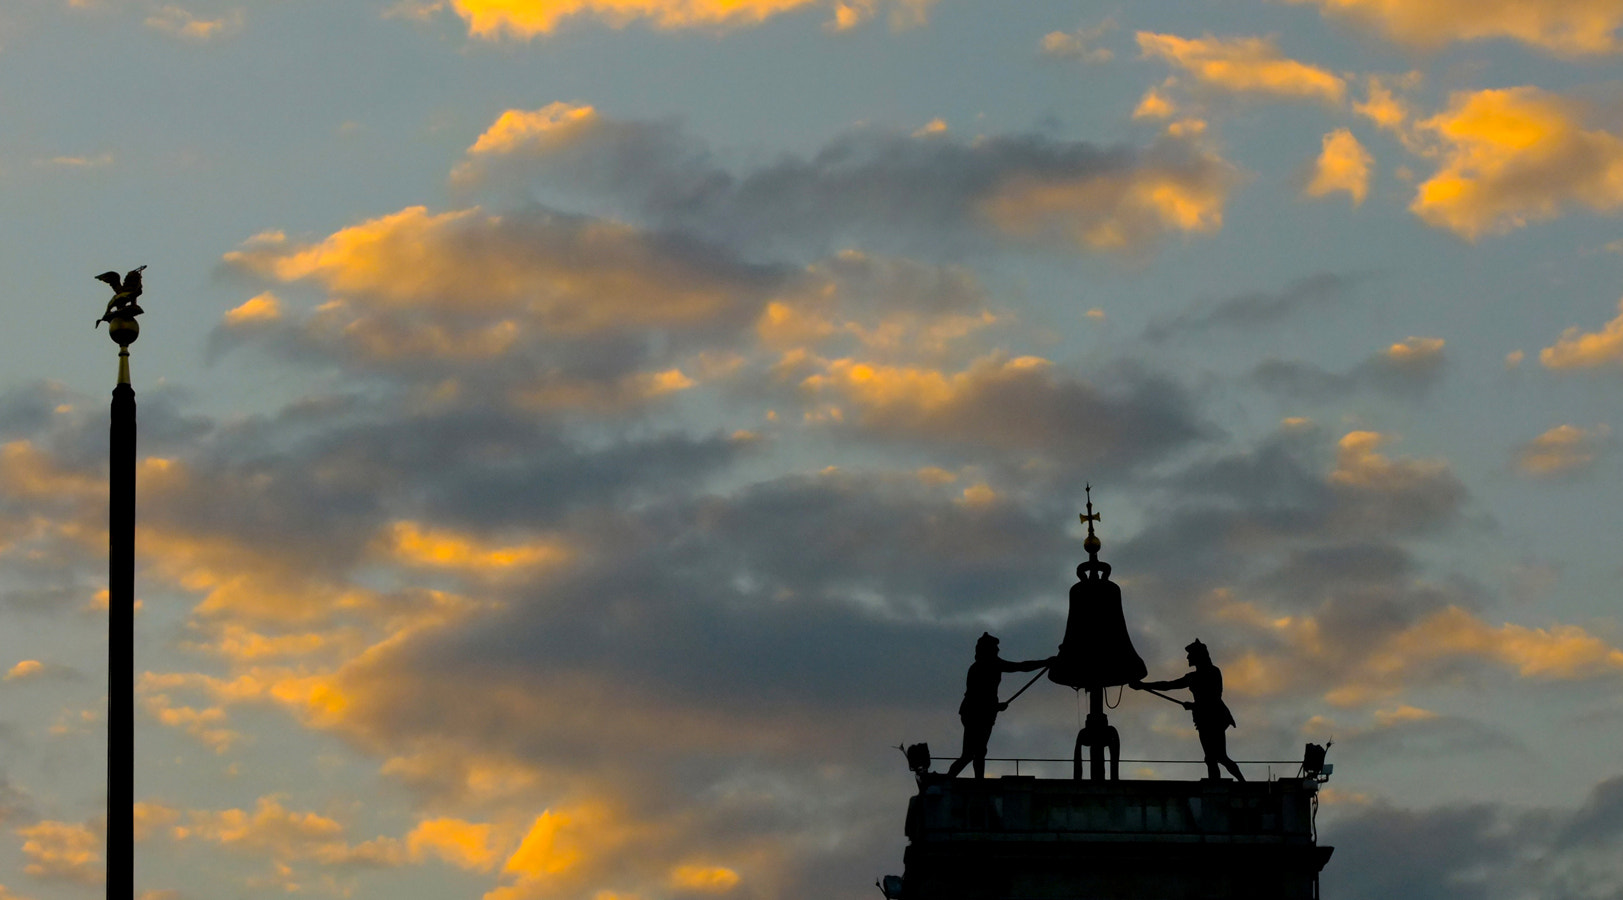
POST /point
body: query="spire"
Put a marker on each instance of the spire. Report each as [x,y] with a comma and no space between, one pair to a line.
[1091,543]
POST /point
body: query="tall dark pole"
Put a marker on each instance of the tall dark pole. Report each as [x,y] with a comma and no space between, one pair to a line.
[121,622]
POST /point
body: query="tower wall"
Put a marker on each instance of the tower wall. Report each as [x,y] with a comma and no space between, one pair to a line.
[1020,838]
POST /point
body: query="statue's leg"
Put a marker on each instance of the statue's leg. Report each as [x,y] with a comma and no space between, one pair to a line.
[1076,755]
[976,737]
[971,750]
[1213,751]
[1222,747]
[1113,743]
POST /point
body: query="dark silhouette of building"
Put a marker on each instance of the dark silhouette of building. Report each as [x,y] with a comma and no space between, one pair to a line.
[1025,838]
[1102,838]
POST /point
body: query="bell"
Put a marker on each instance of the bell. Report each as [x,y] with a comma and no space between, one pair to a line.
[1096,651]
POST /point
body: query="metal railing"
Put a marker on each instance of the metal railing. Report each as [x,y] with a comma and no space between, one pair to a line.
[1017,760]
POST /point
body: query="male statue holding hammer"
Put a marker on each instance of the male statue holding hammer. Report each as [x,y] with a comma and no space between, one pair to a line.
[980,706]
[1212,716]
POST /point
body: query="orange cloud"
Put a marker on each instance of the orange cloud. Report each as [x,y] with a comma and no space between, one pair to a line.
[149,817]
[1415,351]
[1155,104]
[203,724]
[1360,465]
[1343,165]
[261,308]
[1564,27]
[1514,156]
[1587,350]
[567,849]
[462,775]
[1560,653]
[241,580]
[528,133]
[704,879]
[410,543]
[1081,44]
[463,283]
[98,161]
[28,472]
[1383,107]
[899,393]
[1413,652]
[287,836]
[1381,495]
[1181,189]
[891,307]
[629,391]
[62,851]
[525,19]
[239,643]
[1402,714]
[27,668]
[1243,66]
[1561,450]
[518,129]
[174,20]
[466,845]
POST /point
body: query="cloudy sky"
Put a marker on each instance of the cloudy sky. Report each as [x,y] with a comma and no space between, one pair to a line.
[582,438]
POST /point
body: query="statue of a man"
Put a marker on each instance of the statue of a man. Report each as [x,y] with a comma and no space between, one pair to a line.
[980,706]
[1212,716]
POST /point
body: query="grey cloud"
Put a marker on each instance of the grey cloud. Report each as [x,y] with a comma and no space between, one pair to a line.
[16,804]
[72,428]
[819,591]
[1479,851]
[1453,736]
[1257,309]
[1599,820]
[793,623]
[1380,372]
[1114,421]
[26,409]
[316,482]
[1268,527]
[879,189]
[1312,569]
[1282,486]
[1415,855]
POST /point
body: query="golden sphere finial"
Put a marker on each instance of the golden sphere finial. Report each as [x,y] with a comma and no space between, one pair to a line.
[123,330]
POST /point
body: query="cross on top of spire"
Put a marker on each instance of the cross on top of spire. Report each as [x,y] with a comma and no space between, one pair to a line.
[1089,517]
[1091,543]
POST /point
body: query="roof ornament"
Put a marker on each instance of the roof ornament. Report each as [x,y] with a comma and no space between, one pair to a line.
[125,293]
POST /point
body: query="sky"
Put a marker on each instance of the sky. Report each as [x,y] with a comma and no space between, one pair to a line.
[581,439]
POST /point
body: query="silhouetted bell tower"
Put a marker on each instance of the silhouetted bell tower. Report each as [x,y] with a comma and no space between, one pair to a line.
[1020,837]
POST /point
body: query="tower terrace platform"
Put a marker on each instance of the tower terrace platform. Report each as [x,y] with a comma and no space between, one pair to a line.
[1027,838]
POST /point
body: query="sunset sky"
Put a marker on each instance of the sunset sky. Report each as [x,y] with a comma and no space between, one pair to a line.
[580,439]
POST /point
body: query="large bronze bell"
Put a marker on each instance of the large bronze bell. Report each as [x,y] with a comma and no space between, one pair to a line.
[1097,651]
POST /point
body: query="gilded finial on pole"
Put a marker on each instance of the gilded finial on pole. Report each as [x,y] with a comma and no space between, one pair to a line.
[122,309]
